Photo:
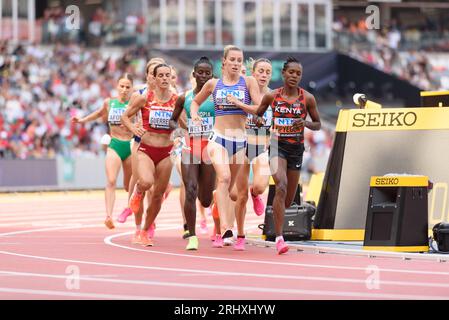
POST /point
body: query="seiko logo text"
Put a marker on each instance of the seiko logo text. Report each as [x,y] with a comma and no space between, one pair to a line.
[386,181]
[390,119]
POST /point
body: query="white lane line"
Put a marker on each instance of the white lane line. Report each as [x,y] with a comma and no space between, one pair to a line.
[195,272]
[237,288]
[79,294]
[108,240]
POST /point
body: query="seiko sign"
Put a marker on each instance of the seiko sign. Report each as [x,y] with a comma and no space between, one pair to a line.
[387,119]
[386,181]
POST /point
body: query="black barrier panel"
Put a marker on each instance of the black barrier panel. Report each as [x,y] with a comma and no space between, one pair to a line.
[28,173]
[327,206]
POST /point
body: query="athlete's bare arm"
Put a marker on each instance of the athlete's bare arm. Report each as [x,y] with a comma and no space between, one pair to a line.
[254,92]
[101,112]
[132,109]
[204,94]
[312,109]
[179,107]
[267,100]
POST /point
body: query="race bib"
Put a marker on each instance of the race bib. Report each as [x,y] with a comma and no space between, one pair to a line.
[284,127]
[222,100]
[115,115]
[268,118]
[206,127]
[160,118]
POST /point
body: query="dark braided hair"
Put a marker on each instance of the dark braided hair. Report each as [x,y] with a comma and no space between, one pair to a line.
[290,60]
[202,60]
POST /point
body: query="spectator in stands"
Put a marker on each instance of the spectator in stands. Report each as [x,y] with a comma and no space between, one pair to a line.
[42,88]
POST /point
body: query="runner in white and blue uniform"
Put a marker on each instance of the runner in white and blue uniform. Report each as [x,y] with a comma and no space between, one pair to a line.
[232,94]
[256,152]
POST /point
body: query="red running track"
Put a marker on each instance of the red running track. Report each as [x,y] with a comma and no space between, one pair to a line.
[54,246]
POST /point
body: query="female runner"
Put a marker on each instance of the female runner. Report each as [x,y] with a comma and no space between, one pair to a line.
[291,105]
[119,149]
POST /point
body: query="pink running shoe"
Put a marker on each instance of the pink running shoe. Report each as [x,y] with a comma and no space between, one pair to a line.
[218,242]
[124,215]
[203,227]
[239,244]
[281,247]
[136,237]
[258,205]
[134,202]
[145,239]
[151,231]
[212,236]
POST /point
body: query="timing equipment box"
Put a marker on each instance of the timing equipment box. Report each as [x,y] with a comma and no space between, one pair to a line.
[435,98]
[397,217]
[297,223]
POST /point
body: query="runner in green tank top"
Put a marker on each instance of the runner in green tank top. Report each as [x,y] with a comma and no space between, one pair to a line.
[197,171]
[119,149]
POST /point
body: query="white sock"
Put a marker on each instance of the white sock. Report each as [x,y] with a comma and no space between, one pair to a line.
[139,227]
[279,238]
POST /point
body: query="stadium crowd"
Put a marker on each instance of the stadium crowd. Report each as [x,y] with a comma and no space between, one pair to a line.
[392,50]
[104,27]
[42,88]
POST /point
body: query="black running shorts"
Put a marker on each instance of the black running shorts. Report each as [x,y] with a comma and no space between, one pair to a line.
[293,153]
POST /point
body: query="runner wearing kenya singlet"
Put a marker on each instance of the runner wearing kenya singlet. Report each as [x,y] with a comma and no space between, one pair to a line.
[154,150]
[291,105]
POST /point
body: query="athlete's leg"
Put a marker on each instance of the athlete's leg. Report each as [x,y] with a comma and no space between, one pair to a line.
[113,164]
[220,160]
[242,199]
[182,189]
[145,174]
[127,172]
[190,173]
[261,174]
[292,186]
[281,186]
[206,185]
[162,178]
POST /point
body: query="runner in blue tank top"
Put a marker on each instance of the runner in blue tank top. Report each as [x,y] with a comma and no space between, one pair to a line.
[228,141]
[256,152]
